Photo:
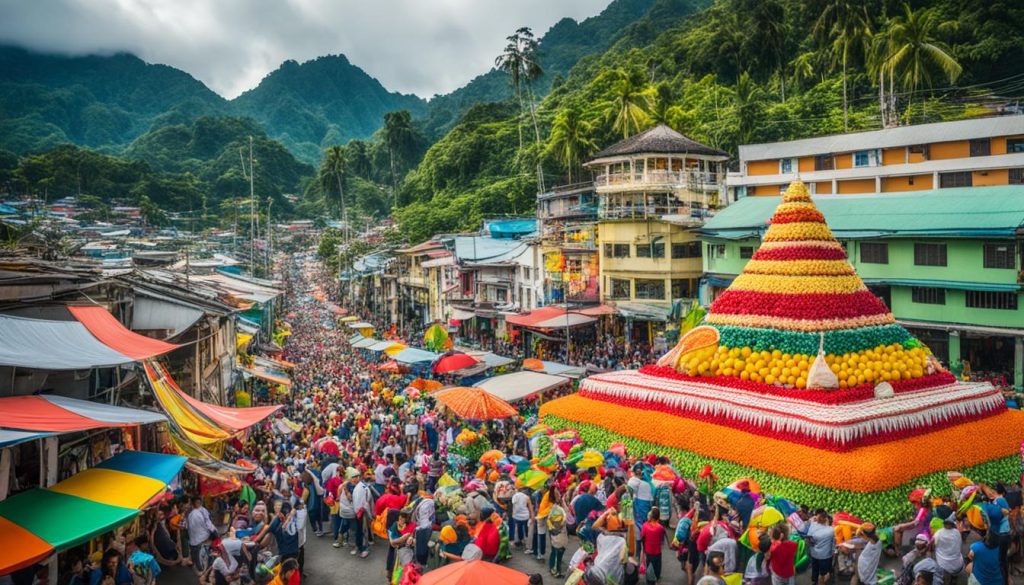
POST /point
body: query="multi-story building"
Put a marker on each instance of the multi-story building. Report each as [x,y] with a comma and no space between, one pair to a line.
[419,293]
[947,262]
[567,224]
[964,153]
[653,190]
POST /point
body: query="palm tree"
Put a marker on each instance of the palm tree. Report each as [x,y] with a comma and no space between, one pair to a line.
[400,138]
[748,98]
[511,62]
[333,172]
[805,67]
[847,26]
[570,139]
[630,102]
[358,156]
[916,54]
[520,60]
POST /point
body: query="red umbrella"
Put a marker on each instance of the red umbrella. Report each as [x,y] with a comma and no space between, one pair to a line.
[330,447]
[454,361]
[473,572]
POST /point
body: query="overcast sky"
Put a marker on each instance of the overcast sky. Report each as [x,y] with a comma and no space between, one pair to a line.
[413,46]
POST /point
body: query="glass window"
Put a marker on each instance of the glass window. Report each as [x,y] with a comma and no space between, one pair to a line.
[861,159]
[650,289]
[999,256]
[681,288]
[929,254]
[686,250]
[874,252]
[786,166]
[928,296]
[658,250]
[717,250]
[643,250]
[958,179]
[1017,176]
[1014,145]
[823,162]
[746,251]
[983,299]
[921,149]
[981,147]
[620,288]
[621,250]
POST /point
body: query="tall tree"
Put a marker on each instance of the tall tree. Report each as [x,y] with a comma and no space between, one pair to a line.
[748,99]
[358,156]
[400,139]
[845,27]
[570,139]
[332,176]
[630,103]
[916,53]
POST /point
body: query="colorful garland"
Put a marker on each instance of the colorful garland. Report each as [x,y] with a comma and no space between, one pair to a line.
[804,306]
[800,267]
[800,251]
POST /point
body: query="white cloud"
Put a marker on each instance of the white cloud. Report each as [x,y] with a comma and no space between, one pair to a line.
[413,46]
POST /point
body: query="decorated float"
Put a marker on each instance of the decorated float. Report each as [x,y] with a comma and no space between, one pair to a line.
[801,377]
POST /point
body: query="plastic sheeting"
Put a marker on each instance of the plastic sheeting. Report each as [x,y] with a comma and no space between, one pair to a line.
[412,355]
[194,425]
[110,332]
[53,345]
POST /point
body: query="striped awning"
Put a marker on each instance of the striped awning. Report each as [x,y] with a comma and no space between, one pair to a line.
[60,414]
[39,522]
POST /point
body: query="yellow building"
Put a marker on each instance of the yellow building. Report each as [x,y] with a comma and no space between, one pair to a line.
[653,189]
[964,153]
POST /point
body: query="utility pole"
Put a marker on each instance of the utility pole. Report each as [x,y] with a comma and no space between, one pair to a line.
[270,236]
[253,223]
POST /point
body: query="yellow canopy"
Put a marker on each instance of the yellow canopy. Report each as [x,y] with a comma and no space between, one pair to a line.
[395,349]
[348,319]
[195,426]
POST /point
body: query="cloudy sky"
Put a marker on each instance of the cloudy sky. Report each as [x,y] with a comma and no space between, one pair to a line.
[413,46]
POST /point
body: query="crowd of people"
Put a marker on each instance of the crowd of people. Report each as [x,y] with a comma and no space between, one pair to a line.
[354,460]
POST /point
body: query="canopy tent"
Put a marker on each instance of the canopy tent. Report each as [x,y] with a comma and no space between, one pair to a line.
[39,522]
[355,338]
[10,438]
[59,414]
[111,333]
[569,319]
[519,385]
[487,360]
[643,312]
[556,369]
[349,319]
[472,573]
[381,346]
[268,375]
[412,355]
[235,419]
[195,426]
[474,403]
[54,345]
[549,318]
[365,343]
[360,325]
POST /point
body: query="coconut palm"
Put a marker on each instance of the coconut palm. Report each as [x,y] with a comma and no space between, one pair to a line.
[846,26]
[748,99]
[570,139]
[332,177]
[630,103]
[916,54]
[400,139]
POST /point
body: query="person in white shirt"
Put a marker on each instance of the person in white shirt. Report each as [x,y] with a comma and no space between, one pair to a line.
[727,547]
[521,515]
[224,569]
[867,563]
[330,470]
[949,555]
[362,501]
[412,436]
[423,516]
[200,529]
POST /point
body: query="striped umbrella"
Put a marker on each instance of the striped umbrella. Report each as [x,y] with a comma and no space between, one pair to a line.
[36,523]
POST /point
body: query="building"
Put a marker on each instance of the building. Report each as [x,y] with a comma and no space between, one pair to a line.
[415,301]
[653,190]
[567,226]
[947,262]
[965,153]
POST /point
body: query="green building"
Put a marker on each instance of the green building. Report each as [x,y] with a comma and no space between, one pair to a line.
[947,263]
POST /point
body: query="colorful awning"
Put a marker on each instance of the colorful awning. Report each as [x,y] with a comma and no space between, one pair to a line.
[194,425]
[237,419]
[549,318]
[39,522]
[60,414]
[94,339]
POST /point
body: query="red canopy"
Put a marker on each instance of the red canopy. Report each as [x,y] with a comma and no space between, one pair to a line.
[453,362]
[535,316]
[109,330]
[32,413]
[473,573]
[226,417]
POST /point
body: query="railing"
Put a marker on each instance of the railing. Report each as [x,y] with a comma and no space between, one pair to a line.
[645,211]
[702,180]
[567,211]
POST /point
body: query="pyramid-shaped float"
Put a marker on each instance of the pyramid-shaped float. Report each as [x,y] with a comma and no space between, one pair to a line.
[802,378]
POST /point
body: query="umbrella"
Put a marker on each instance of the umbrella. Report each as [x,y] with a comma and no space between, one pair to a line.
[330,447]
[532,478]
[475,403]
[533,364]
[472,573]
[766,516]
[424,385]
[451,362]
[435,338]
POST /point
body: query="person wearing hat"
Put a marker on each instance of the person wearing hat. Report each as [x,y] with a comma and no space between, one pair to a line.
[867,562]
[344,521]
[948,544]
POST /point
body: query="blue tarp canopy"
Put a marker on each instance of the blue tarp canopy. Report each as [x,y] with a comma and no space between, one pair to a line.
[412,355]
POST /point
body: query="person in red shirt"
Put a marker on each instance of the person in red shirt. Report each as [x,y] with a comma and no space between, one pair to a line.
[653,535]
[782,556]
[487,536]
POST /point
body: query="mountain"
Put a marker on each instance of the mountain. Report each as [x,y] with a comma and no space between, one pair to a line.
[96,101]
[318,103]
[560,48]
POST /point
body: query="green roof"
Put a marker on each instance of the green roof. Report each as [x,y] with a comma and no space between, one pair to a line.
[981,212]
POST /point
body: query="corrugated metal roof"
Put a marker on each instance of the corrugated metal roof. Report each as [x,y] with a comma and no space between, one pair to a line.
[964,212]
[888,138]
[486,249]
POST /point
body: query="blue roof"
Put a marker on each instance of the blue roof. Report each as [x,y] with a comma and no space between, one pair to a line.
[968,212]
[505,229]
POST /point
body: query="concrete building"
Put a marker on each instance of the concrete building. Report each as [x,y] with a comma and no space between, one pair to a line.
[965,153]
[653,190]
[567,226]
[947,262]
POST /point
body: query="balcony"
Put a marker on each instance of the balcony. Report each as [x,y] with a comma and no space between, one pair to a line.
[697,181]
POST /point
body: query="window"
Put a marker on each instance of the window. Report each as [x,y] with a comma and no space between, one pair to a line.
[681,288]
[865,158]
[985,299]
[981,147]
[1014,145]
[921,149]
[616,250]
[620,288]
[823,162]
[658,250]
[786,166]
[1017,176]
[650,289]
[999,256]
[961,179]
[874,252]
[643,250]
[716,250]
[746,251]
[929,254]
[928,296]
[686,250]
